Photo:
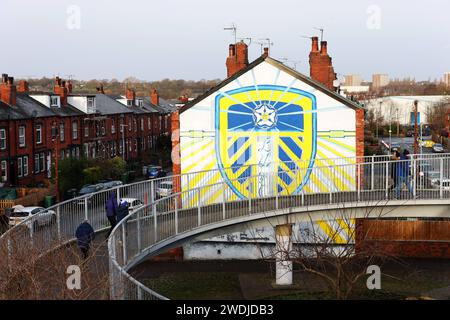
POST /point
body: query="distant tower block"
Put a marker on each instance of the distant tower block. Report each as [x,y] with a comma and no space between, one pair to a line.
[283,263]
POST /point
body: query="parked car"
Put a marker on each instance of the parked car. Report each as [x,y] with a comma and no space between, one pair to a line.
[87,190]
[154,172]
[445,184]
[164,189]
[112,184]
[438,148]
[134,204]
[21,213]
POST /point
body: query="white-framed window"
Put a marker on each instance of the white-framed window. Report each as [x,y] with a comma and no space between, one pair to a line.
[121,125]
[39,133]
[140,102]
[129,103]
[130,124]
[4,171]
[2,139]
[21,136]
[42,161]
[160,123]
[22,166]
[135,124]
[61,132]
[54,101]
[77,152]
[25,166]
[142,124]
[36,163]
[86,129]
[74,130]
[62,153]
[91,103]
[113,126]
[103,128]
[149,122]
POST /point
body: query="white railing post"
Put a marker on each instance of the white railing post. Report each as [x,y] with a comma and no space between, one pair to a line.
[372,174]
[139,295]
[275,185]
[138,225]
[387,180]
[124,244]
[152,191]
[250,189]
[414,174]
[199,210]
[441,177]
[155,221]
[86,208]
[176,214]
[58,220]
[223,201]
[118,194]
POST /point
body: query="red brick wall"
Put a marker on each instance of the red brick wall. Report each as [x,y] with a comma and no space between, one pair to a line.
[175,128]
[237,58]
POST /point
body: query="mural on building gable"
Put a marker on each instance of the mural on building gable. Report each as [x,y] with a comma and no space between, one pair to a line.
[267,132]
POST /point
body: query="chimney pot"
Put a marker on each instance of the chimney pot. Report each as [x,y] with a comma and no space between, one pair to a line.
[314,44]
[4,77]
[10,80]
[232,50]
[266,52]
[323,47]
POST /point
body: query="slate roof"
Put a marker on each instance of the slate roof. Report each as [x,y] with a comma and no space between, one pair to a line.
[104,104]
[315,84]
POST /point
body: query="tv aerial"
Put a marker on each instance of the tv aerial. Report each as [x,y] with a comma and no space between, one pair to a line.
[321,33]
[233,29]
[248,39]
[266,41]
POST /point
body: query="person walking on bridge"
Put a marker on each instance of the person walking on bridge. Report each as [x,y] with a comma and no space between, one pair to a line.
[84,234]
[403,174]
[111,211]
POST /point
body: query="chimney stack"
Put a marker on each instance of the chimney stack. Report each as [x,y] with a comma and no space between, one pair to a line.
[23,86]
[8,91]
[321,66]
[130,95]
[154,97]
[266,52]
[69,86]
[61,90]
[100,89]
[237,58]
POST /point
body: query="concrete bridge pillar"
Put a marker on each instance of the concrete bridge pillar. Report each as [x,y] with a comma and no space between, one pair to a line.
[283,264]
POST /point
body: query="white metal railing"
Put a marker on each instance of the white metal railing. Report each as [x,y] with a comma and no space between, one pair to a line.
[167,220]
[56,225]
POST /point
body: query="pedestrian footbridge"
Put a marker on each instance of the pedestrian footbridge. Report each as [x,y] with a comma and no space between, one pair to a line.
[360,188]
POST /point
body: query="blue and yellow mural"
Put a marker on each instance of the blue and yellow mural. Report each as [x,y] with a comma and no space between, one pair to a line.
[264,129]
[270,126]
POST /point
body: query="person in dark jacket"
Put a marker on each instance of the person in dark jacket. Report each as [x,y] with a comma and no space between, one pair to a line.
[393,168]
[122,211]
[403,173]
[85,235]
[111,211]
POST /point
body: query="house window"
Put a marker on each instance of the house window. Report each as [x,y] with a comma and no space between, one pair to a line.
[74,130]
[113,126]
[129,124]
[160,123]
[142,124]
[62,154]
[4,172]
[61,132]
[149,122]
[103,128]
[21,136]
[2,139]
[135,124]
[90,104]
[38,133]
[86,129]
[54,101]
[140,102]
[129,103]
[77,152]
[36,163]
[42,161]
[22,166]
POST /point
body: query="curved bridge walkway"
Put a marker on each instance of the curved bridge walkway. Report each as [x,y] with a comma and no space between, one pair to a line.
[159,224]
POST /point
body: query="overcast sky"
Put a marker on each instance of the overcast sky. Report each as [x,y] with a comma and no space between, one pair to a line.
[184,39]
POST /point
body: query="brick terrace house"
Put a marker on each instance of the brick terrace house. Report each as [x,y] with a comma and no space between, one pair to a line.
[37,126]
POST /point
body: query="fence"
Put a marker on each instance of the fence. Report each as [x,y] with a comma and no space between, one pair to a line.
[153,220]
[167,220]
